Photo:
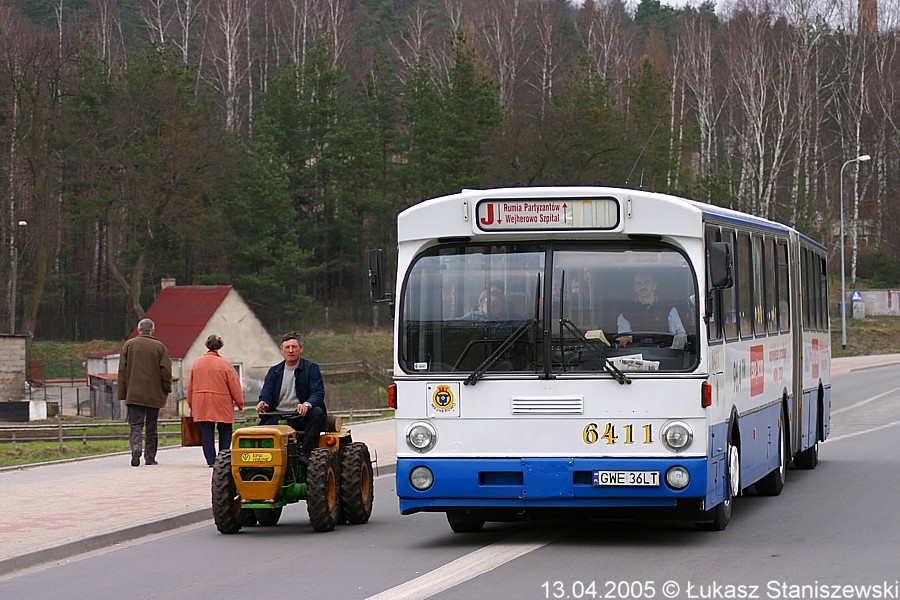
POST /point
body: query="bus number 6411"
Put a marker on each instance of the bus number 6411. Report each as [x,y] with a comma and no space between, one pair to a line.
[591,434]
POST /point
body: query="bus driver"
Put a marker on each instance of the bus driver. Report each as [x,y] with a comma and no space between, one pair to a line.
[645,314]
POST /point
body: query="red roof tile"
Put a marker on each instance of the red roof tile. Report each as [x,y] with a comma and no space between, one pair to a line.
[180,313]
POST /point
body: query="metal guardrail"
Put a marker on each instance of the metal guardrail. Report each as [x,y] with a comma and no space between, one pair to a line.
[64,431]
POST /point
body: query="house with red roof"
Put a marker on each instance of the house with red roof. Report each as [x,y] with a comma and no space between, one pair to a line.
[185,315]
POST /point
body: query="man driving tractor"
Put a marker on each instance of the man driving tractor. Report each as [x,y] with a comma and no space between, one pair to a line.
[295,385]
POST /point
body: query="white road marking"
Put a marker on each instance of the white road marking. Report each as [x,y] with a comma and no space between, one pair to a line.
[856,433]
[866,401]
[875,417]
[468,567]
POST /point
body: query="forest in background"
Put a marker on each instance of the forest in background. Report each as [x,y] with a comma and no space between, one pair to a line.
[267,144]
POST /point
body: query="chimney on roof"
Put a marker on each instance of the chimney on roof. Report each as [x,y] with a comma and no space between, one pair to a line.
[167,282]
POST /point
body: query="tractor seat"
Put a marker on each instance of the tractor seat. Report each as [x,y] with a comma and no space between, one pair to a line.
[335,423]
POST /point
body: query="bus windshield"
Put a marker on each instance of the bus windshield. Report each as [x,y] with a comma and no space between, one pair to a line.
[546,309]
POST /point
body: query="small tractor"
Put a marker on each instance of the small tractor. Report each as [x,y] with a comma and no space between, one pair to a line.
[264,471]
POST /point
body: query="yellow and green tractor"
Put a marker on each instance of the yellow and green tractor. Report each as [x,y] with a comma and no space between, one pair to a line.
[264,471]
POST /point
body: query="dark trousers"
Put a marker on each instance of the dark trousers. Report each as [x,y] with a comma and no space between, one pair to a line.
[143,418]
[311,425]
[208,437]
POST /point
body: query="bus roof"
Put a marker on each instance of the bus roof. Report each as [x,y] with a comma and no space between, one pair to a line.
[445,209]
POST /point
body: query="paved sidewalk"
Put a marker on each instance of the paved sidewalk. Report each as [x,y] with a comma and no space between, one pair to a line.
[859,363]
[55,511]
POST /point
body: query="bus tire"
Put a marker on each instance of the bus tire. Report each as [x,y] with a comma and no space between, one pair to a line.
[809,458]
[464,522]
[773,482]
[717,518]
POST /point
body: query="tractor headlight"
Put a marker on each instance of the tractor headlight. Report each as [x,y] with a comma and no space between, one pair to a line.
[677,435]
[421,478]
[421,437]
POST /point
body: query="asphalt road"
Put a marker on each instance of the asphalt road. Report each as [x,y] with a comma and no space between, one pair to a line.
[833,527]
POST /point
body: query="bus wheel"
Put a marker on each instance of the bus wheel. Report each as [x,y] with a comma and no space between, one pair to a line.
[773,482]
[809,458]
[718,517]
[465,522]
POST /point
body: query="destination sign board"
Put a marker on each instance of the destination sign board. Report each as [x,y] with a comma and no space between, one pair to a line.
[547,214]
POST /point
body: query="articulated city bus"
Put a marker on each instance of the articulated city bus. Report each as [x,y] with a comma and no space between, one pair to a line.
[583,351]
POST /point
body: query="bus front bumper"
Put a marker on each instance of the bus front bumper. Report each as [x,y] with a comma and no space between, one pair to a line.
[558,482]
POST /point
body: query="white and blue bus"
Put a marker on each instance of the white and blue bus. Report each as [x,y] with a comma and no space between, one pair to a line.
[585,351]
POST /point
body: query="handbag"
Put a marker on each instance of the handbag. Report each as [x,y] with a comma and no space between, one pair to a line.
[190,432]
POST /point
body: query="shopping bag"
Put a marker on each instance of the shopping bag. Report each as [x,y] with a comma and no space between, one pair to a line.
[190,432]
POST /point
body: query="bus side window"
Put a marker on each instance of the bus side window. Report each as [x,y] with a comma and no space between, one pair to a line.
[744,285]
[771,294]
[729,295]
[784,290]
[714,320]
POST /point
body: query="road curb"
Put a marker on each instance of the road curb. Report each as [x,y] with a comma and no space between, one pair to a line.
[128,534]
[871,367]
[97,542]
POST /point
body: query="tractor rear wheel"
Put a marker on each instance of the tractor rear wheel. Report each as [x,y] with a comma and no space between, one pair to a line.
[226,502]
[356,483]
[322,489]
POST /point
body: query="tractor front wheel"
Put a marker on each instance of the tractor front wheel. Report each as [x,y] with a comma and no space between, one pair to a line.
[356,483]
[226,502]
[322,489]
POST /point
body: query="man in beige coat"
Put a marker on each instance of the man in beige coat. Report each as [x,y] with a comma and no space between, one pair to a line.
[213,391]
[145,381]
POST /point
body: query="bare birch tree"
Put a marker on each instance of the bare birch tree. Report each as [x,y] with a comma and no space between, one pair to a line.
[603,26]
[885,104]
[32,72]
[228,20]
[762,84]
[849,111]
[161,17]
[547,60]
[502,29]
[806,36]
[696,48]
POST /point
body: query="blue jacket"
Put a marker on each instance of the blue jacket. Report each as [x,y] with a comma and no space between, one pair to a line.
[307,379]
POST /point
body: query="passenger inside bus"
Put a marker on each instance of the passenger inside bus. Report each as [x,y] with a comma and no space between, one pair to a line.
[491,306]
[647,314]
[516,305]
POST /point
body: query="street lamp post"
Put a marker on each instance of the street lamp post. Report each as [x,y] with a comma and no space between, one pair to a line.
[14,276]
[860,158]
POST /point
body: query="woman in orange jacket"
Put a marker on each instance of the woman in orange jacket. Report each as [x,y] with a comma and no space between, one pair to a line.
[213,391]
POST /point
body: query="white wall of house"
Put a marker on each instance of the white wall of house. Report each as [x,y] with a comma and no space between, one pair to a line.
[247,343]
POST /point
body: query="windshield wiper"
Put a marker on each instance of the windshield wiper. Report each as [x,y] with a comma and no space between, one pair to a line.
[488,362]
[598,348]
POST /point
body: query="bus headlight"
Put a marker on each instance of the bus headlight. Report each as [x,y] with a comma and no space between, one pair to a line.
[677,435]
[421,437]
[421,478]
[678,478]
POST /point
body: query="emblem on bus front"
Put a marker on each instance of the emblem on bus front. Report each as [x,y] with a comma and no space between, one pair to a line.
[443,399]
